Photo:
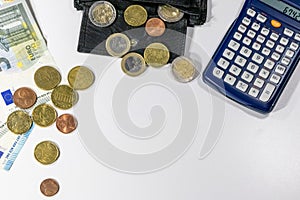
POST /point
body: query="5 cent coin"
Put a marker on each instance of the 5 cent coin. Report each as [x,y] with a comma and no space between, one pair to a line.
[44,115]
[46,152]
[24,97]
[47,78]
[102,13]
[66,123]
[155,27]
[19,122]
[81,78]
[49,187]
[135,15]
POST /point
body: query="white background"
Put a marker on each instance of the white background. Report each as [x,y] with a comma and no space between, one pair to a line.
[255,158]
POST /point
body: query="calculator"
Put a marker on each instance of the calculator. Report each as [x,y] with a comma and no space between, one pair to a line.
[258,54]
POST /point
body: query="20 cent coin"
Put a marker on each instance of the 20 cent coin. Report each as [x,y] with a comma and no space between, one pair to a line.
[135,15]
[156,55]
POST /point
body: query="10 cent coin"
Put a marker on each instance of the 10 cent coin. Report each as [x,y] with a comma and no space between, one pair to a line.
[44,115]
[46,152]
[102,13]
[47,78]
[135,15]
[19,122]
[64,97]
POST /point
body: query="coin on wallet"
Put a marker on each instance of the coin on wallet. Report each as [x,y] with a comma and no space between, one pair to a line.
[156,55]
[117,44]
[133,64]
[102,13]
[169,13]
[135,15]
[155,27]
[183,69]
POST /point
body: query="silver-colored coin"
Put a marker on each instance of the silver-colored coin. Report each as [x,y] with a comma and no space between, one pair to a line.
[133,64]
[183,69]
[102,13]
[118,44]
[169,13]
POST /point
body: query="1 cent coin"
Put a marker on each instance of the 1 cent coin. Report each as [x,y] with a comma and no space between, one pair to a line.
[24,97]
[46,152]
[64,97]
[135,15]
[44,115]
[133,64]
[117,44]
[81,78]
[49,187]
[47,78]
[102,13]
[155,27]
[66,123]
[19,122]
[169,13]
[156,55]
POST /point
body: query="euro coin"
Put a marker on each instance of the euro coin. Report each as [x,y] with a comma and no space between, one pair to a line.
[183,69]
[102,13]
[19,122]
[46,152]
[64,97]
[135,15]
[169,13]
[47,78]
[24,97]
[156,55]
[66,123]
[155,27]
[133,64]
[44,115]
[117,44]
[49,187]
[81,78]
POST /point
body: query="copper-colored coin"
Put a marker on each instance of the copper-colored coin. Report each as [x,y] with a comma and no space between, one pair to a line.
[49,187]
[24,97]
[66,123]
[155,27]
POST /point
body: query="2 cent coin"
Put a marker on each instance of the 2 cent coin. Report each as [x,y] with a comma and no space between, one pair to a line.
[24,97]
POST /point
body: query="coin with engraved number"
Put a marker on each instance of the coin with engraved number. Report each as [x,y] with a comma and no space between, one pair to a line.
[19,122]
[155,27]
[133,64]
[135,15]
[44,115]
[80,78]
[46,152]
[66,123]
[169,13]
[47,78]
[156,55]
[117,44]
[183,69]
[24,97]
[102,13]
[49,187]
[64,97]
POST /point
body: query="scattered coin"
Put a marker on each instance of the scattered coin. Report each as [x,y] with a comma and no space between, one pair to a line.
[24,97]
[64,97]
[46,152]
[102,13]
[19,122]
[169,13]
[80,78]
[156,55]
[47,78]
[66,123]
[49,187]
[133,64]
[183,69]
[44,115]
[155,27]
[118,44]
[135,15]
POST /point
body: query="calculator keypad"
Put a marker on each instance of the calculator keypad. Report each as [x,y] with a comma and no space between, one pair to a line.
[258,56]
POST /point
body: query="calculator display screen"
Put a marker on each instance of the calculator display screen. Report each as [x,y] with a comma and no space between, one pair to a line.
[284,8]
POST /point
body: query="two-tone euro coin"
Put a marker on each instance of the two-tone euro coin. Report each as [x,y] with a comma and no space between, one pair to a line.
[102,13]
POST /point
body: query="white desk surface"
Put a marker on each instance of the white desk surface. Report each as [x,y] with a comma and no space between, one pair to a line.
[254,157]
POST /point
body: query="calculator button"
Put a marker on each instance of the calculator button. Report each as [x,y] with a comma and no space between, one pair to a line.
[289,53]
[223,63]
[255,26]
[261,18]
[285,61]
[270,44]
[242,86]
[228,54]
[218,72]
[242,28]
[253,92]
[251,34]
[251,12]
[284,41]
[288,32]
[240,61]
[275,56]
[235,70]
[275,23]
[252,67]
[264,73]
[256,46]
[260,39]
[275,78]
[246,52]
[269,64]
[297,37]
[247,41]
[230,79]
[280,69]
[258,58]
[274,36]
[246,21]
[267,92]
[247,76]
[238,36]
[266,51]
[233,45]
[265,31]
[280,49]
[294,46]
[259,82]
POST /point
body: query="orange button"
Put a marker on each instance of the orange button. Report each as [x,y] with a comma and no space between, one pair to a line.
[275,23]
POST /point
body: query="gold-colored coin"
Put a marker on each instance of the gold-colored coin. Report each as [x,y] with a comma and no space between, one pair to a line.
[102,13]
[46,152]
[44,115]
[169,13]
[19,122]
[183,69]
[47,78]
[64,97]
[81,78]
[156,55]
[133,64]
[117,44]
[135,15]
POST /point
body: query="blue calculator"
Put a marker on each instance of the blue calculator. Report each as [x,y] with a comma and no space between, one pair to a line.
[258,54]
